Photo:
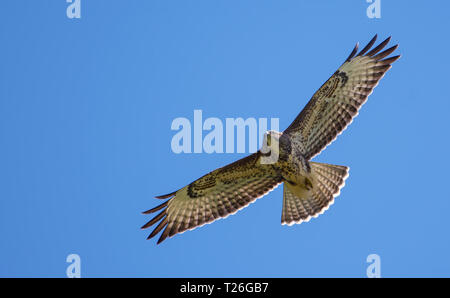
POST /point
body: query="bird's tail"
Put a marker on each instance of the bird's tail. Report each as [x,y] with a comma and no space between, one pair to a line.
[300,204]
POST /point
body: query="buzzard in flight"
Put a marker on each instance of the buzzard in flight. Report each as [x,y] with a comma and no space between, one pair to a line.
[309,187]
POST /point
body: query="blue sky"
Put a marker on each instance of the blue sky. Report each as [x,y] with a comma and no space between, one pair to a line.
[86,107]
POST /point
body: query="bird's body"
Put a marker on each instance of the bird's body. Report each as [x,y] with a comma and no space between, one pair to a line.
[295,168]
[309,187]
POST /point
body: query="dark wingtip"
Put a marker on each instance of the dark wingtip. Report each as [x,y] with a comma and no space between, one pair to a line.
[161,239]
[353,53]
[160,226]
[385,53]
[379,47]
[159,207]
[391,60]
[164,235]
[369,45]
[155,219]
[166,196]
[151,235]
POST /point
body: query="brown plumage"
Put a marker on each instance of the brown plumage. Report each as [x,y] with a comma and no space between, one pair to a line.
[309,187]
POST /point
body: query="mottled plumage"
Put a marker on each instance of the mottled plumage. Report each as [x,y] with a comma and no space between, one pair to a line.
[309,187]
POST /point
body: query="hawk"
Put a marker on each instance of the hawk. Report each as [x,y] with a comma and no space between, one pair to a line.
[309,187]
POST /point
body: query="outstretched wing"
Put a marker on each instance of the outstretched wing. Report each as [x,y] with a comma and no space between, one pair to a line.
[214,196]
[333,107]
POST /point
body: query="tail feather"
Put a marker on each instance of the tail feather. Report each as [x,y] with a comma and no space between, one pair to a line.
[301,205]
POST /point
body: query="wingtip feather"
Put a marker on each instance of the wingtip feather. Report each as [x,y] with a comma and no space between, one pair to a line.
[158,228]
[166,196]
[369,45]
[379,47]
[353,53]
[154,209]
[154,220]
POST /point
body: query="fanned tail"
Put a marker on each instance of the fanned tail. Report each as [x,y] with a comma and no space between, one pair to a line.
[301,205]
